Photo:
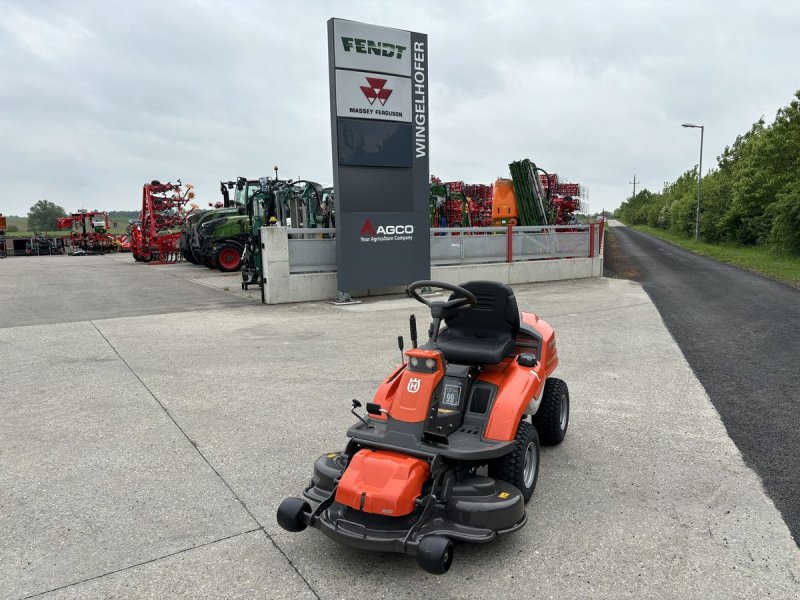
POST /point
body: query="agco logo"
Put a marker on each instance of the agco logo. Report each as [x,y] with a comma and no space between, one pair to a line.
[413,385]
[368,229]
[376,90]
[384,49]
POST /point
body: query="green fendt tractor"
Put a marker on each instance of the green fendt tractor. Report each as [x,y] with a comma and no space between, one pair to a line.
[214,237]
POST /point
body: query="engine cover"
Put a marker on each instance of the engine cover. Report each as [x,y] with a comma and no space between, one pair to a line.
[382,482]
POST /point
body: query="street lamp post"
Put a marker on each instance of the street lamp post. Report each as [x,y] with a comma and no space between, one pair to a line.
[699,177]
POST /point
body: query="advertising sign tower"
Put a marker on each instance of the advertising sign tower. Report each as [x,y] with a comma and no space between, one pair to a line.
[380,134]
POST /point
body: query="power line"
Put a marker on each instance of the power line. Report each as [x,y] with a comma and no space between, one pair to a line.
[634,182]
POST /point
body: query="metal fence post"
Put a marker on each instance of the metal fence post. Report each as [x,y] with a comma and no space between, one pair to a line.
[600,241]
[509,243]
[591,240]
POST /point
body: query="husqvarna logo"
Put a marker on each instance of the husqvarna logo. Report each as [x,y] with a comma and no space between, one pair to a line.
[386,233]
[413,385]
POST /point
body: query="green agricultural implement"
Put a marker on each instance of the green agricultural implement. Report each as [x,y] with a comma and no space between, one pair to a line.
[530,193]
[278,202]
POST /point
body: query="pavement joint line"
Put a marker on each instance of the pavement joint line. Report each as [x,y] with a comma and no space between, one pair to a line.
[146,562]
[217,473]
[171,418]
[291,562]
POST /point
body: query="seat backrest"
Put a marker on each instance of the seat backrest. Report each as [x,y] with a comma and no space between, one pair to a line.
[496,311]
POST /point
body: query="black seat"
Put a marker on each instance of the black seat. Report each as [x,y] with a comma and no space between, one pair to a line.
[486,333]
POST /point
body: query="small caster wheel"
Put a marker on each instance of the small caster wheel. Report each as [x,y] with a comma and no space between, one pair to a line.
[435,554]
[291,514]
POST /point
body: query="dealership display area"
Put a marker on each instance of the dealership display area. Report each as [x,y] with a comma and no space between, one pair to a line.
[158,482]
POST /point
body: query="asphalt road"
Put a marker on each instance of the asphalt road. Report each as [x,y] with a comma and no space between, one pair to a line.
[740,333]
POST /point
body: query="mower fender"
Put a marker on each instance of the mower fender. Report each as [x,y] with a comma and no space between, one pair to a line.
[549,351]
[520,390]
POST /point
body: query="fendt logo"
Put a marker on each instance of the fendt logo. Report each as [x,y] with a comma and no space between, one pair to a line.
[376,90]
[384,49]
[385,233]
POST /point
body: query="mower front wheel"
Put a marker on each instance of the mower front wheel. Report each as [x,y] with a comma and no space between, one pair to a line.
[552,418]
[291,514]
[521,466]
[435,554]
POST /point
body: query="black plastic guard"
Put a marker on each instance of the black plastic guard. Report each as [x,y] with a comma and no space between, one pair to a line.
[468,518]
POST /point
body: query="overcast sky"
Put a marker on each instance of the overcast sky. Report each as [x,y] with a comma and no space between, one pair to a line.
[98,97]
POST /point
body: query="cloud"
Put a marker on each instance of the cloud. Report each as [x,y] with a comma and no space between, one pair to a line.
[99,97]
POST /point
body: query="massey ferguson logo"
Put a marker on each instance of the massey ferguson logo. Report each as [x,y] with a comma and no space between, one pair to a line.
[376,90]
[386,233]
[413,385]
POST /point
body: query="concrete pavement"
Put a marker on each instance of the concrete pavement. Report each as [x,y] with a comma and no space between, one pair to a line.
[739,332]
[139,468]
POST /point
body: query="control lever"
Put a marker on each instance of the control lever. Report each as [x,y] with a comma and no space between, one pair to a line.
[412,325]
[357,404]
[400,345]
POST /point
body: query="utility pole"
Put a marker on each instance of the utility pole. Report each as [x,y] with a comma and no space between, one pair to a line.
[634,182]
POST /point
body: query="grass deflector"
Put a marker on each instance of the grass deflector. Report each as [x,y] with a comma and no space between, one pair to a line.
[449,446]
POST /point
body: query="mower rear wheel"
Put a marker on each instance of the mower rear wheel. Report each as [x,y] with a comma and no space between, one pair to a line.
[228,258]
[552,418]
[291,514]
[521,466]
[435,554]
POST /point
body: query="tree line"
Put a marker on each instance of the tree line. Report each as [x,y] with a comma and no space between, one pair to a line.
[752,197]
[43,215]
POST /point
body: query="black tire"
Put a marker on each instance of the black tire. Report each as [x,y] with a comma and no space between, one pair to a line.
[188,255]
[512,467]
[435,554]
[552,418]
[291,514]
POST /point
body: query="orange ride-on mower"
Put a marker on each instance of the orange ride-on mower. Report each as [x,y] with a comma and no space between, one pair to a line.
[411,479]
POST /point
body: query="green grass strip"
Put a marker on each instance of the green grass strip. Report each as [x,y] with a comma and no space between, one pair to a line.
[759,259]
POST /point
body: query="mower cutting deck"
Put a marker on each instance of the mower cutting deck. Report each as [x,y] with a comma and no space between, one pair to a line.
[408,480]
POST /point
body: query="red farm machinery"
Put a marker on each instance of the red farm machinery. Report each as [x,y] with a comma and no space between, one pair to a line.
[565,199]
[155,236]
[89,232]
[531,197]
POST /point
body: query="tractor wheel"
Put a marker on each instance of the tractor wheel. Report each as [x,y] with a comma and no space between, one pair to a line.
[189,256]
[291,514]
[552,418]
[435,554]
[208,261]
[228,258]
[521,466]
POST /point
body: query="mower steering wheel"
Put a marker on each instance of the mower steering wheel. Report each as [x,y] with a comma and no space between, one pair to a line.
[463,297]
